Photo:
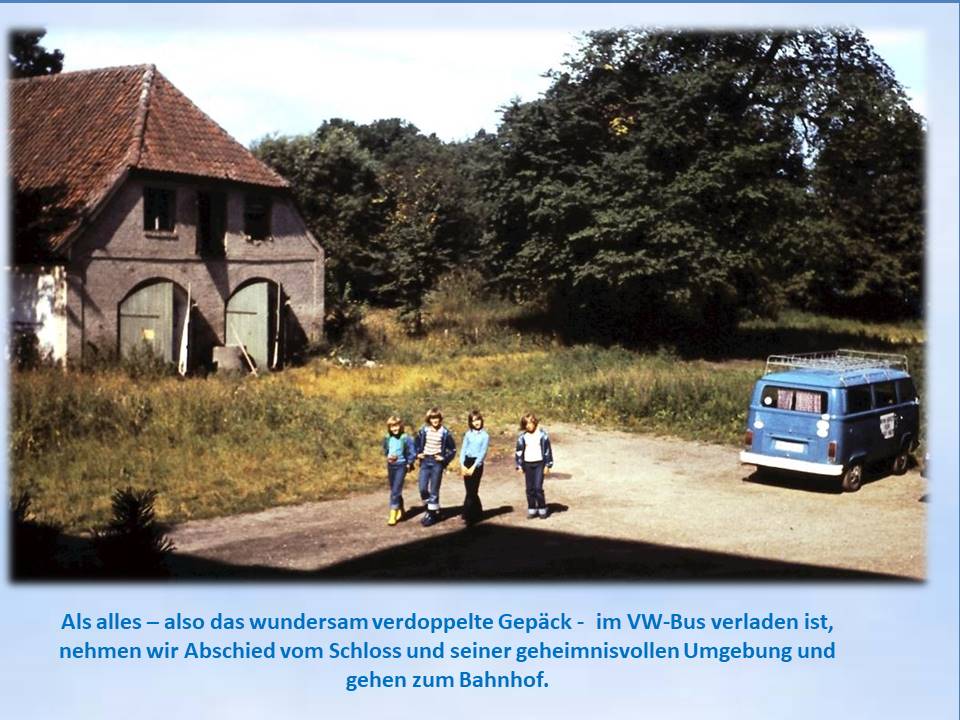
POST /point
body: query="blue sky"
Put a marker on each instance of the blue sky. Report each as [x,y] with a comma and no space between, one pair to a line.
[449,81]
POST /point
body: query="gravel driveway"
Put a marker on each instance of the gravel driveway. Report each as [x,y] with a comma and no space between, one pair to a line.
[623,506]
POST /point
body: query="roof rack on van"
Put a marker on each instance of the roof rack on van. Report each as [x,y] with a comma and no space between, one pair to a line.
[841,361]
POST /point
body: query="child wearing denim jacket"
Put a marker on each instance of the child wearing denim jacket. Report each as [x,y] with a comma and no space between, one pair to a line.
[435,448]
[400,453]
[534,458]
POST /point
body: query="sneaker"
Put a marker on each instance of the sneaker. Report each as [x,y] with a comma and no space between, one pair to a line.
[543,512]
[399,512]
[430,517]
[392,518]
[531,513]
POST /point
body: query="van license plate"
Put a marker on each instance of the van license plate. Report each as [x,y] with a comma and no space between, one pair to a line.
[789,446]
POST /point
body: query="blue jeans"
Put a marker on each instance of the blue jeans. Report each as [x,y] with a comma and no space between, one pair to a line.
[533,473]
[396,472]
[431,474]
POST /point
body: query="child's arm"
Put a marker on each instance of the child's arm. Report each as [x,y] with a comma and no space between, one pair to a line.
[518,456]
[409,452]
[449,449]
[547,450]
[484,446]
[418,447]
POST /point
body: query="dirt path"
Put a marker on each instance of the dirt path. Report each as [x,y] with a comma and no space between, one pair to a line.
[624,506]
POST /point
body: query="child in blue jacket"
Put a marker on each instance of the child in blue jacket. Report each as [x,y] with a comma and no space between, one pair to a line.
[476,441]
[534,459]
[400,453]
[435,449]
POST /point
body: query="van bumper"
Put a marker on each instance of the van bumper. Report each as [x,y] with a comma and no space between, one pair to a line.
[781,463]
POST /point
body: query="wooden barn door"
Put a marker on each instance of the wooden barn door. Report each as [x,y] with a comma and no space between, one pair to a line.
[251,321]
[147,318]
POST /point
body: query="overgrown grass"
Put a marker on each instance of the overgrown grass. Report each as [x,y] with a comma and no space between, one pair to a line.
[220,445]
[908,332]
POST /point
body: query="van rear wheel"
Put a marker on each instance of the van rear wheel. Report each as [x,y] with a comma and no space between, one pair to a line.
[900,463]
[852,478]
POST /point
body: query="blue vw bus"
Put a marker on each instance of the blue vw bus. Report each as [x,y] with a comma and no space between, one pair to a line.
[833,413]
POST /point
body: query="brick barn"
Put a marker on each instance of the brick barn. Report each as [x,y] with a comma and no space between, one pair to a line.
[129,201]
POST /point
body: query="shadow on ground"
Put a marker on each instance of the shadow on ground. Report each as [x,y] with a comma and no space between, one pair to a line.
[480,552]
[825,484]
[487,552]
[496,552]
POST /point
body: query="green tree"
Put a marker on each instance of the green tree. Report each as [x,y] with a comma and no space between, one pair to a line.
[28,58]
[663,183]
[393,208]
[868,183]
[336,184]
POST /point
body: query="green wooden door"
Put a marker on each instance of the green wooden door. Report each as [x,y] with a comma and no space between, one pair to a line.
[248,322]
[147,318]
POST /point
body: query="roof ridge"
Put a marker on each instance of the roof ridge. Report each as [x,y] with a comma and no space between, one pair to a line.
[73,73]
[140,121]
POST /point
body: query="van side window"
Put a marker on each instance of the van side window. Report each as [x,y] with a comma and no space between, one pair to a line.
[884,394]
[906,391]
[782,398]
[858,399]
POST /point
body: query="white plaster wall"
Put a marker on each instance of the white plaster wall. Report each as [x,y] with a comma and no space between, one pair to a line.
[39,301]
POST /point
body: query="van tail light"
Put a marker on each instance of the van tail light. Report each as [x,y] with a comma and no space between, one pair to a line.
[748,438]
[832,451]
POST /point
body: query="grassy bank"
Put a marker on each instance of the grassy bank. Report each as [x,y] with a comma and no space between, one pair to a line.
[218,446]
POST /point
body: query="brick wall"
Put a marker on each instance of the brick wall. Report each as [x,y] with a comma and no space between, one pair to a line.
[115,255]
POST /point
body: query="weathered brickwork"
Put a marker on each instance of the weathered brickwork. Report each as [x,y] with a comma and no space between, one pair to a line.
[84,148]
[115,255]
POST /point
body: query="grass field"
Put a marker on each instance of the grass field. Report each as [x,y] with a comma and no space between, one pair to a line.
[221,445]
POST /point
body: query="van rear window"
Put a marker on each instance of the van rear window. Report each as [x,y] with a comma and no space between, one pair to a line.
[784,398]
[858,399]
[906,390]
[884,394]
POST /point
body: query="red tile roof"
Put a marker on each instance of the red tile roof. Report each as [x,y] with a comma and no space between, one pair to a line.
[74,135]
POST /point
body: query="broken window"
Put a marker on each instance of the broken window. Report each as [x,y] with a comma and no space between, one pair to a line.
[159,209]
[256,217]
[211,223]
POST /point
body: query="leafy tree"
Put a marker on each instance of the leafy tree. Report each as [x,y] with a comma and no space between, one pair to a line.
[336,184]
[28,58]
[868,184]
[663,183]
[393,208]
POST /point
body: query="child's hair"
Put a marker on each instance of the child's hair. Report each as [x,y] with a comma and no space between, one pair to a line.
[529,417]
[394,420]
[474,415]
[433,412]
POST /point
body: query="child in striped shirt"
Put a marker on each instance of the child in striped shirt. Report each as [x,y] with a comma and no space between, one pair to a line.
[435,449]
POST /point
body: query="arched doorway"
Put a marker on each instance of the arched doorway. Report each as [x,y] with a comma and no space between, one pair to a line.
[253,320]
[151,316]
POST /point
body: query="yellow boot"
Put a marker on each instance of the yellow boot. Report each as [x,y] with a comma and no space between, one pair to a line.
[392,518]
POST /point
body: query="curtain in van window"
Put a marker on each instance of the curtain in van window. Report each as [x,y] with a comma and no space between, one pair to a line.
[784,399]
[808,402]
